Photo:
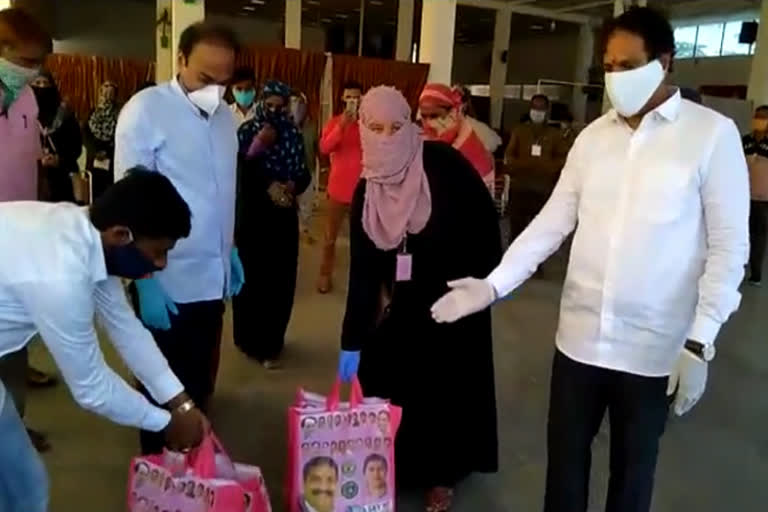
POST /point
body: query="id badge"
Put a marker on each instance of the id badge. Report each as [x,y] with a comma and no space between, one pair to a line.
[101,163]
[404,271]
[536,150]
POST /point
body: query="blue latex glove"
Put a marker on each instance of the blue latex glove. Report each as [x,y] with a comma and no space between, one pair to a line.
[237,279]
[348,363]
[154,304]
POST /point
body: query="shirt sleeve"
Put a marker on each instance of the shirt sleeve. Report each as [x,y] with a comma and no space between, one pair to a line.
[134,142]
[134,342]
[331,137]
[544,235]
[63,312]
[725,199]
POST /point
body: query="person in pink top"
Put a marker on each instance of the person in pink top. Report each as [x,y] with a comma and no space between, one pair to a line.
[440,108]
[341,141]
[23,48]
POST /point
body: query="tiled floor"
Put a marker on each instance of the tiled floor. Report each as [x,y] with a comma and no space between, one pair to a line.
[714,460]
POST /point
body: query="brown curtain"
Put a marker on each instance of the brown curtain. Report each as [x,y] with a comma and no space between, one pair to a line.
[301,70]
[79,78]
[409,78]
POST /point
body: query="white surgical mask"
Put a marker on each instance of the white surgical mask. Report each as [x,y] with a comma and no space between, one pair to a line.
[208,98]
[629,91]
[537,116]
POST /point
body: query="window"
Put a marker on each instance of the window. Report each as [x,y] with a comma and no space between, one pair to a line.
[685,41]
[709,40]
[731,44]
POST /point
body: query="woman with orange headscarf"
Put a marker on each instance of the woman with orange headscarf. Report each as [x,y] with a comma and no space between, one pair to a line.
[443,120]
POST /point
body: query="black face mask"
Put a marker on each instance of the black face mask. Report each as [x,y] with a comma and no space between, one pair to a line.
[129,262]
[47,102]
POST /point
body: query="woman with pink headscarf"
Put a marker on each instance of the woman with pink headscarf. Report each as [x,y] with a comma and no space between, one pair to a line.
[419,219]
[443,119]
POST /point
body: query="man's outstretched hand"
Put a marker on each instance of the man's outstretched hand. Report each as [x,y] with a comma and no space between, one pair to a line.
[467,297]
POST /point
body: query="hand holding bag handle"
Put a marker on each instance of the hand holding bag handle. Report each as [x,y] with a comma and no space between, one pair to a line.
[355,397]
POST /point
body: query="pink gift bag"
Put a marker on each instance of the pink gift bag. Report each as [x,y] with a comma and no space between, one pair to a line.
[205,480]
[341,456]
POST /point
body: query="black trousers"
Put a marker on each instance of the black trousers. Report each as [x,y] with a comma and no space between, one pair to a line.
[191,346]
[758,232]
[268,243]
[637,408]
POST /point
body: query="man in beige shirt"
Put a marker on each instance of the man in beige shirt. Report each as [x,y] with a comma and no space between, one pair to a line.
[534,157]
[756,149]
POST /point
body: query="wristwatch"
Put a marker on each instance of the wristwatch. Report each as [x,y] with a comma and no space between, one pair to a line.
[705,352]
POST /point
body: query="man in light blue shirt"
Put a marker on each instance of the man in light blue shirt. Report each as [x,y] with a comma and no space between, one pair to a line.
[183,130]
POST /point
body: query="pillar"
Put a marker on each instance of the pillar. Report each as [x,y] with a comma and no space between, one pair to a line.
[757,91]
[293,24]
[498,80]
[438,24]
[585,52]
[165,53]
[183,14]
[405,13]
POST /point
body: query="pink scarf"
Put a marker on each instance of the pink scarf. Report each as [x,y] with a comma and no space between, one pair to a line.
[397,195]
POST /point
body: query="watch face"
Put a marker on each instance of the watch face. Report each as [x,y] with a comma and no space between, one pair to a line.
[708,352]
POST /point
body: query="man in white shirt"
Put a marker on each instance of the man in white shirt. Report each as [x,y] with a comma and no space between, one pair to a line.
[657,193]
[183,130]
[60,266]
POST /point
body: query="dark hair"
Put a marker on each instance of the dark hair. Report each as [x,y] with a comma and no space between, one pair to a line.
[207,32]
[18,25]
[351,84]
[651,25]
[243,74]
[689,93]
[539,96]
[762,108]
[321,461]
[375,458]
[147,203]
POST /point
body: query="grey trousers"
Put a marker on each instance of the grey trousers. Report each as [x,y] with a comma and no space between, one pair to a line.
[13,373]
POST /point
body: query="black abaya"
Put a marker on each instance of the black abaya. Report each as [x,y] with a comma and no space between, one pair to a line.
[442,375]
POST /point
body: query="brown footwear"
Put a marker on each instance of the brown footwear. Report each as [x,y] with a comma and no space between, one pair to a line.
[324,284]
[439,499]
[39,440]
[39,379]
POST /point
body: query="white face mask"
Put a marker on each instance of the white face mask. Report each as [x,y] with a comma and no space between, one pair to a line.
[629,91]
[537,116]
[208,98]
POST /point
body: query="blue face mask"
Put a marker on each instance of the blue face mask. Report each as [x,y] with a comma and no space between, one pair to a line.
[244,98]
[13,78]
[129,262]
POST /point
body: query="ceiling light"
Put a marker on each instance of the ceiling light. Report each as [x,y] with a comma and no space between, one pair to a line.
[377,2]
[342,16]
[258,2]
[326,20]
[313,2]
[537,27]
[249,8]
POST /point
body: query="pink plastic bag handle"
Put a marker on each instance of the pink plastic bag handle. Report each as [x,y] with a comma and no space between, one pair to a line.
[202,460]
[355,395]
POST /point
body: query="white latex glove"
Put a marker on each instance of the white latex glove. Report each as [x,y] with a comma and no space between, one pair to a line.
[690,379]
[467,296]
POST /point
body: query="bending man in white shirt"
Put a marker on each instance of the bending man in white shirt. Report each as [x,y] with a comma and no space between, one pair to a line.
[657,193]
[60,265]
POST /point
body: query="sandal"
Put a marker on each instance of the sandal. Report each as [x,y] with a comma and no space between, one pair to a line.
[439,499]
